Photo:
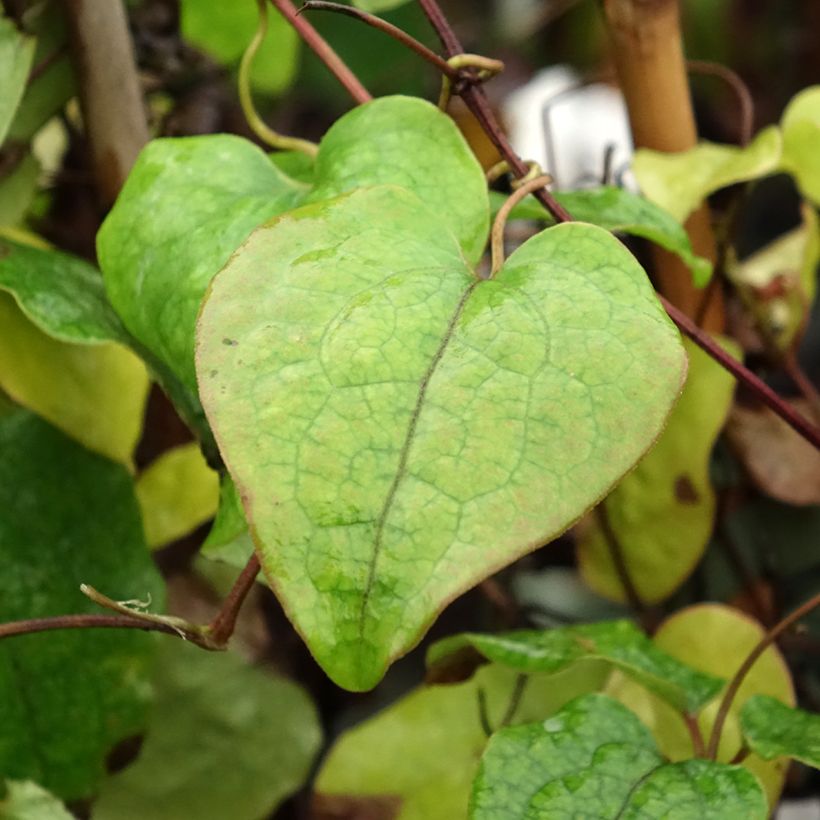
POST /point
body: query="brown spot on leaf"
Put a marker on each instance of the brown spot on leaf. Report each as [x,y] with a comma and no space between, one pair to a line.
[456,667]
[355,807]
[685,490]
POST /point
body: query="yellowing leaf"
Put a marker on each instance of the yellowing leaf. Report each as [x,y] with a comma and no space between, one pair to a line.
[662,512]
[680,182]
[714,639]
[801,136]
[94,393]
[177,493]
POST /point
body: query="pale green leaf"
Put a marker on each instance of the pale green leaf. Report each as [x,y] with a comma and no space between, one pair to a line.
[229,540]
[680,182]
[622,212]
[394,423]
[25,800]
[18,185]
[176,493]
[416,759]
[594,758]
[619,643]
[378,6]
[190,202]
[69,517]
[772,729]
[662,513]
[16,53]
[94,392]
[225,740]
[714,639]
[801,136]
[224,30]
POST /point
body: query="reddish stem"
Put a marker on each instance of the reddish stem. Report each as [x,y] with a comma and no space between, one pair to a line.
[222,626]
[9,630]
[323,51]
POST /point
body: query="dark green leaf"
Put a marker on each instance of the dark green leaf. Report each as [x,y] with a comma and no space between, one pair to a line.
[594,758]
[622,212]
[619,643]
[68,517]
[772,729]
[225,740]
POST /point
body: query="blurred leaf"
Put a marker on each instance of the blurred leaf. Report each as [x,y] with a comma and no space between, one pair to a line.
[619,211]
[69,517]
[715,639]
[177,492]
[619,643]
[801,135]
[26,800]
[378,6]
[662,513]
[62,294]
[350,361]
[169,233]
[594,758]
[225,740]
[95,393]
[17,189]
[772,729]
[225,29]
[229,539]
[16,53]
[680,182]
[779,460]
[416,759]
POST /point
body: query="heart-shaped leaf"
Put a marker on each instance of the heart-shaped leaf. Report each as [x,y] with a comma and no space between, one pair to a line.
[619,643]
[189,203]
[594,758]
[398,428]
[623,212]
[772,729]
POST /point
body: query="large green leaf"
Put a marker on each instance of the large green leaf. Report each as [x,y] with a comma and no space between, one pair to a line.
[801,133]
[772,729]
[662,513]
[594,758]
[416,759]
[395,424]
[68,517]
[25,800]
[619,643]
[62,294]
[225,740]
[94,392]
[190,202]
[714,639]
[680,182]
[16,52]
[623,212]
[225,29]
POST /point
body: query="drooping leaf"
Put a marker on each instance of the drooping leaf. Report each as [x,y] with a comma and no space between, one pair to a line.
[190,202]
[772,729]
[662,513]
[714,639]
[594,758]
[224,740]
[25,800]
[801,132]
[16,53]
[176,493]
[94,392]
[680,182]
[62,294]
[68,517]
[620,211]
[376,401]
[224,30]
[619,643]
[429,743]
